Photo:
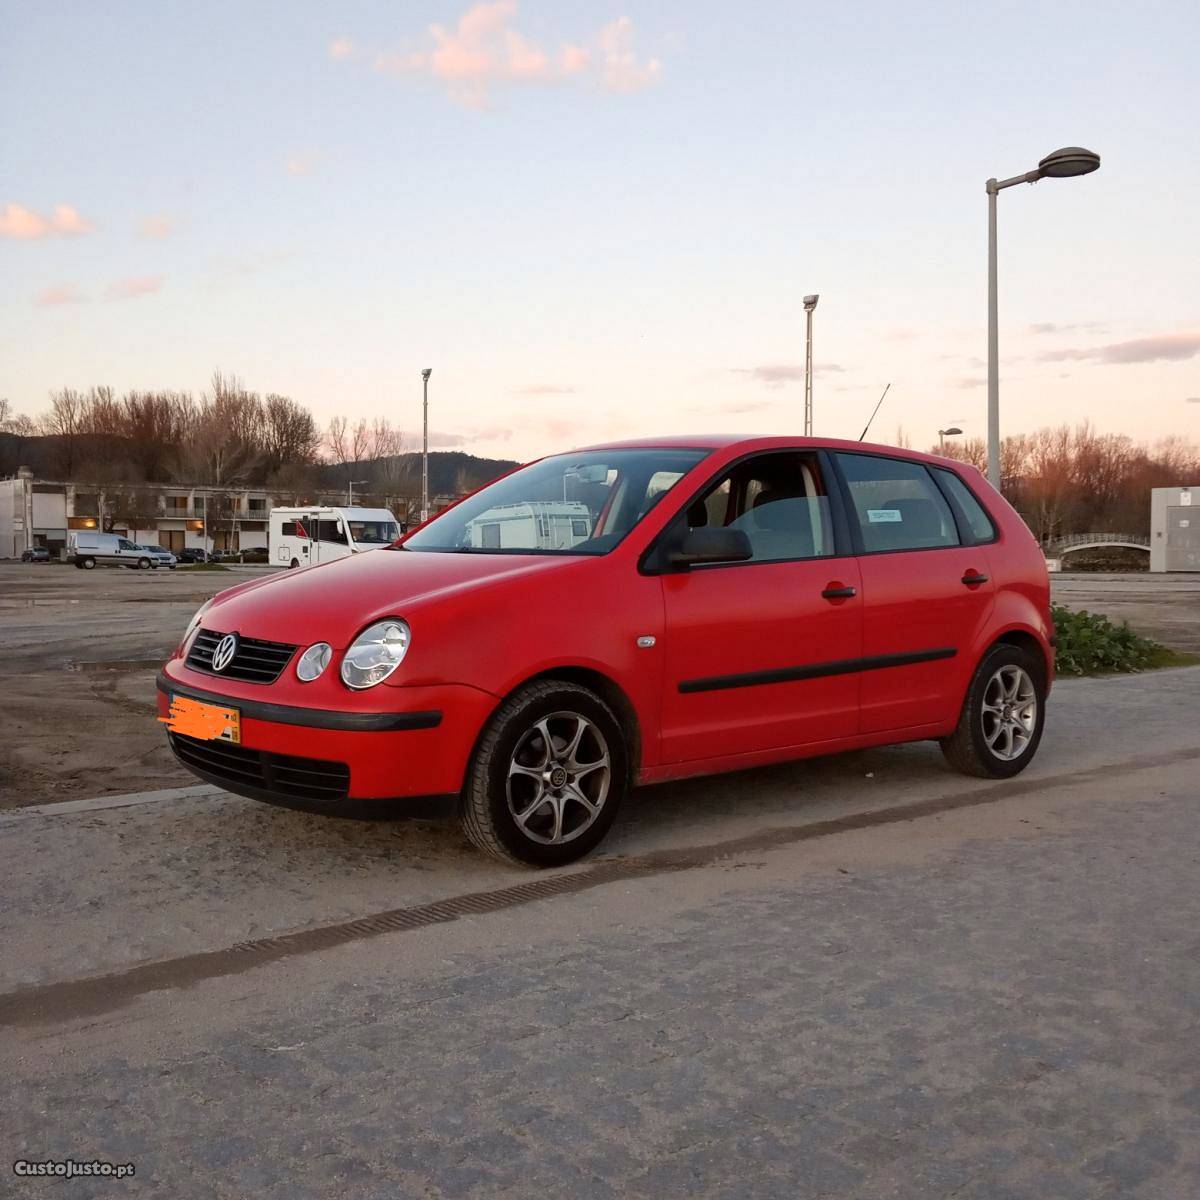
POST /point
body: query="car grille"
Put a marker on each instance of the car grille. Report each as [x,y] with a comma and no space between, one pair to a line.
[254,662]
[279,776]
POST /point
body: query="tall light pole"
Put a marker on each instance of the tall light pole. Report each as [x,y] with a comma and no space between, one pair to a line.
[810,303]
[943,434]
[350,501]
[1062,164]
[425,374]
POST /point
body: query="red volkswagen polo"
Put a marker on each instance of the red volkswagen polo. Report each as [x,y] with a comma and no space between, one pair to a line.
[625,615]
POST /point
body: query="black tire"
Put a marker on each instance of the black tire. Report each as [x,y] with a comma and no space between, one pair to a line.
[484,808]
[144,564]
[89,564]
[968,748]
[294,564]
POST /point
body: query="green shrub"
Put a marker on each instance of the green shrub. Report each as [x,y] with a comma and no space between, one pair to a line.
[1089,643]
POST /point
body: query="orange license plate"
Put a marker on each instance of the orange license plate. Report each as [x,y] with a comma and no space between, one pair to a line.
[208,722]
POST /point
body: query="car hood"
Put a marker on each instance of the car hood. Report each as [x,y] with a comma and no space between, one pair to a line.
[335,601]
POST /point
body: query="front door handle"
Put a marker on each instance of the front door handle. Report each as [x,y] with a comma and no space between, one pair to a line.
[973,578]
[834,592]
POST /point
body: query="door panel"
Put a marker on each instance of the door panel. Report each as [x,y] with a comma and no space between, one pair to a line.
[738,636]
[915,603]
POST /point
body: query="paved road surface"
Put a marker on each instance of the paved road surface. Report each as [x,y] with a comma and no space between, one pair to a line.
[861,977]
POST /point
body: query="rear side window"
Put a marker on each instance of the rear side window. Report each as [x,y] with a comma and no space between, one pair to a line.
[980,524]
[897,504]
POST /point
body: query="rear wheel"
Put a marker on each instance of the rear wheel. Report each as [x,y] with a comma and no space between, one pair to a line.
[1002,717]
[294,564]
[547,777]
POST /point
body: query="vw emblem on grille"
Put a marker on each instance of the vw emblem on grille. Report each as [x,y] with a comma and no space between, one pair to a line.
[223,654]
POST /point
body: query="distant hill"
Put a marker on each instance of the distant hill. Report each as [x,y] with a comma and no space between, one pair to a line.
[450,472]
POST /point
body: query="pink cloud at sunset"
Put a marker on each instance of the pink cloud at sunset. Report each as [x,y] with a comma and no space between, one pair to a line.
[483,50]
[63,293]
[131,289]
[24,224]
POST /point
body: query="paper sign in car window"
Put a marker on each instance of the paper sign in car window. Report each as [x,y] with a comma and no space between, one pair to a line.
[881,516]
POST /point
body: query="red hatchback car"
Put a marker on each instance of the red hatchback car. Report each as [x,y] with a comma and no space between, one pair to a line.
[628,614]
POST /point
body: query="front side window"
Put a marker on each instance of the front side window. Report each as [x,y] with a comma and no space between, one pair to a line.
[329,531]
[778,500]
[570,504]
[897,504]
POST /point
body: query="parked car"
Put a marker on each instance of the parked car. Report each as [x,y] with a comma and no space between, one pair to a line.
[731,603]
[35,554]
[86,548]
[160,556]
[193,554]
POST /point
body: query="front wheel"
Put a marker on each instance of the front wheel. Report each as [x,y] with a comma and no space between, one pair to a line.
[1002,717]
[144,564]
[547,776]
[89,564]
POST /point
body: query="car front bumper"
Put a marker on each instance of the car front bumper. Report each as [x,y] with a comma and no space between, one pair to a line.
[310,755]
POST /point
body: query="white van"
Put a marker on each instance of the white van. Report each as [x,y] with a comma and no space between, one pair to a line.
[305,536]
[86,548]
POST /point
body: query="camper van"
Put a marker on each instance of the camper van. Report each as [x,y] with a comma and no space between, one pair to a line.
[305,536]
[546,525]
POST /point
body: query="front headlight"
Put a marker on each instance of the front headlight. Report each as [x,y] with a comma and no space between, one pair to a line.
[194,623]
[375,654]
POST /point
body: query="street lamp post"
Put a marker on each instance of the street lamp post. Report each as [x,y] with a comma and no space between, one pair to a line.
[943,434]
[425,374]
[810,303]
[350,500]
[1062,164]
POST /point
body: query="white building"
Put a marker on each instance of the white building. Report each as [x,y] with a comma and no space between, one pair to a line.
[39,512]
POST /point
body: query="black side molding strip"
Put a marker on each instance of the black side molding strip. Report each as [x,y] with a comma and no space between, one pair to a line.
[845,666]
[310,718]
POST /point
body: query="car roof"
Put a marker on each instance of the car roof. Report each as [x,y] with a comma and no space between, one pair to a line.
[750,443]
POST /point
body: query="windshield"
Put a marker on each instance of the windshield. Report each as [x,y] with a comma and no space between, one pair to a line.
[570,504]
[377,533]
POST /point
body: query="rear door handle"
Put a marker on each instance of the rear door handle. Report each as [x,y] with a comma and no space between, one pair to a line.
[839,593]
[971,578]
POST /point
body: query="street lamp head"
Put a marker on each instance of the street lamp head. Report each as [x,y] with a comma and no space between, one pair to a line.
[425,374]
[954,429]
[1070,160]
[810,302]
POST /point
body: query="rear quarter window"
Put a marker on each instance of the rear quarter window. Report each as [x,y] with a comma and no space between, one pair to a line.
[978,521]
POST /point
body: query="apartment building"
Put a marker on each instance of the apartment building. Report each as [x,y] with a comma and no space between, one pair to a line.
[41,512]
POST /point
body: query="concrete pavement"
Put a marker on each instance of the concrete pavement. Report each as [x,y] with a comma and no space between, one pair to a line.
[968,988]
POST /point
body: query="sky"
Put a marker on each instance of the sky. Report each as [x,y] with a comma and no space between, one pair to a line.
[598,220]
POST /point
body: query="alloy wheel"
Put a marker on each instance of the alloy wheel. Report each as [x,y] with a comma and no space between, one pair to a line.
[558,778]
[1010,710]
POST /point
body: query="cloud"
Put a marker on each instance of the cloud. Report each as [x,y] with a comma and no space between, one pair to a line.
[301,164]
[159,225]
[1163,347]
[1040,327]
[63,293]
[131,289]
[621,70]
[484,51]
[1193,400]
[777,374]
[545,389]
[17,221]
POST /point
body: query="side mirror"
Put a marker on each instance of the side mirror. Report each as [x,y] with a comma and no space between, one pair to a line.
[705,545]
